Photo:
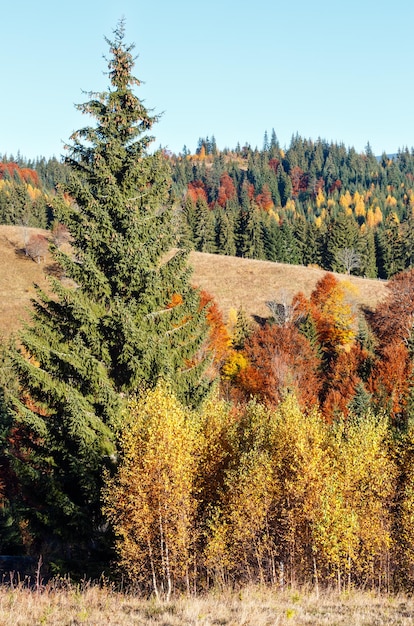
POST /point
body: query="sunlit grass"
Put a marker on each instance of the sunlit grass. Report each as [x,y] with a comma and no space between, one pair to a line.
[234,282]
[63,605]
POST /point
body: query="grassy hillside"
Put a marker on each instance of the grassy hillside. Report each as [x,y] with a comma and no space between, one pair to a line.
[249,283]
[233,281]
[17,277]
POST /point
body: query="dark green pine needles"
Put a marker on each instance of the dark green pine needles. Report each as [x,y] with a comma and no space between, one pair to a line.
[124,315]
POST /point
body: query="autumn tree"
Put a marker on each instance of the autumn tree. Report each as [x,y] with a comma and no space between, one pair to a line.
[218,341]
[301,466]
[37,247]
[342,382]
[394,317]
[238,544]
[331,306]
[226,190]
[151,501]
[271,499]
[280,358]
[391,380]
[353,533]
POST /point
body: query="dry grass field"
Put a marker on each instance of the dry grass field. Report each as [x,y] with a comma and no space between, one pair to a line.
[249,283]
[234,282]
[18,273]
[94,606]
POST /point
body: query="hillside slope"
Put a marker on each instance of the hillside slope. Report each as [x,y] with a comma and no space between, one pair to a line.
[249,283]
[233,281]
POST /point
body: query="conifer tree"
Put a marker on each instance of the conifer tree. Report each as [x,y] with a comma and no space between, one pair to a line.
[225,241]
[204,227]
[125,316]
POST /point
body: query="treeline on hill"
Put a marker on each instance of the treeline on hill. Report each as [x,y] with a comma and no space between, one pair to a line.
[27,189]
[142,435]
[314,203]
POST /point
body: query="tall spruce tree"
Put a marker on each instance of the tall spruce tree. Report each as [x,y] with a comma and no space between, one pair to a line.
[125,316]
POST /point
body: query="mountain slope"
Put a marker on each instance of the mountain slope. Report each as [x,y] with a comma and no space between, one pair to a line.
[234,282]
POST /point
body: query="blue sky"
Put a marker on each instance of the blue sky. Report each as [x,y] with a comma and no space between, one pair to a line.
[342,71]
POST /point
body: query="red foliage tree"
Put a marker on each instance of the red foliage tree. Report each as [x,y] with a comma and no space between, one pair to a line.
[392,379]
[280,358]
[264,199]
[274,164]
[395,316]
[227,190]
[299,179]
[336,186]
[197,190]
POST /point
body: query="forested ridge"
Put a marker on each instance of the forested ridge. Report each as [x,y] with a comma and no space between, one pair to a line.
[313,203]
[144,434]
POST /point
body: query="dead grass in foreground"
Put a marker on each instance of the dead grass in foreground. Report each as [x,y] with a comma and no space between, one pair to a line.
[93,606]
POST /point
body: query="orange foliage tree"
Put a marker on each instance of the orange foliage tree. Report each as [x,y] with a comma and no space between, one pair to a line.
[391,381]
[197,190]
[280,358]
[333,315]
[227,190]
[264,199]
[341,382]
[219,342]
[331,324]
[25,174]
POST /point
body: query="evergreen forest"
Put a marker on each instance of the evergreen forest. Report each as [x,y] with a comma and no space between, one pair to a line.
[145,436]
[313,203]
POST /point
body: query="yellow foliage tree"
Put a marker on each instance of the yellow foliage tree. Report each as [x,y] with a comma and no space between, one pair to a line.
[359,206]
[150,501]
[378,215]
[246,521]
[345,200]
[301,466]
[239,538]
[353,532]
[391,201]
[235,362]
[320,198]
[370,218]
[217,423]
[404,523]
[333,312]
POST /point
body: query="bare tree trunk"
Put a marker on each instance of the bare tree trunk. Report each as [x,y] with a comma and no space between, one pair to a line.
[281,575]
[168,571]
[154,577]
[315,573]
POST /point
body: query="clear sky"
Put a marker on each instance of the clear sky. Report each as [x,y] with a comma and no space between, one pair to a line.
[335,69]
